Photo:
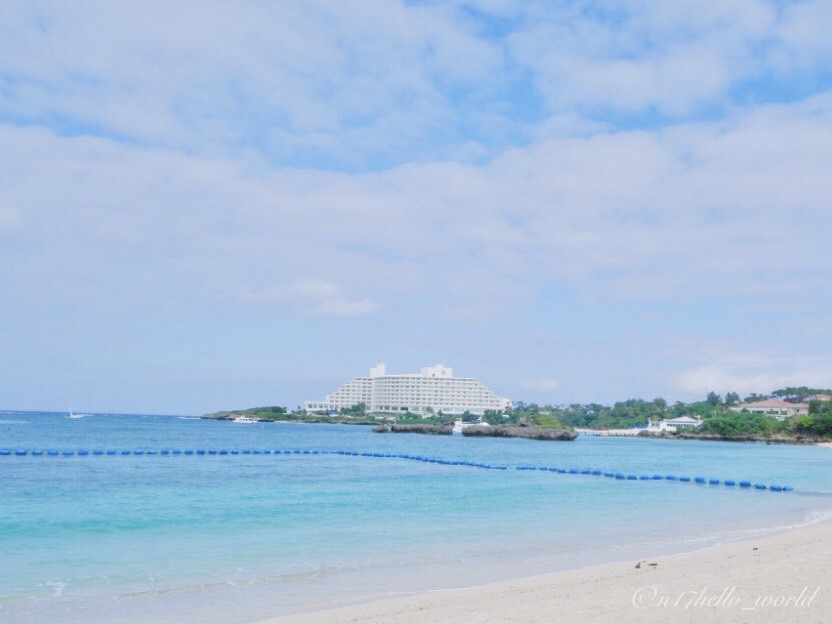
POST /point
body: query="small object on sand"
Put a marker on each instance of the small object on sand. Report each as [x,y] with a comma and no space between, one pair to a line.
[755,548]
[638,565]
[653,564]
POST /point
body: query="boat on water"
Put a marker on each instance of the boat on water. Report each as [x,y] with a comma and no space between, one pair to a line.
[75,416]
[246,420]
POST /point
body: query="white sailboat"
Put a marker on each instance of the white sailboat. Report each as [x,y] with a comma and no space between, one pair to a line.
[71,415]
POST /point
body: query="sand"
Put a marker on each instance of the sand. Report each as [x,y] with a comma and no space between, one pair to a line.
[785,577]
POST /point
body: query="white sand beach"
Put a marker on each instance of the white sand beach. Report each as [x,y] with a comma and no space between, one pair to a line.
[785,577]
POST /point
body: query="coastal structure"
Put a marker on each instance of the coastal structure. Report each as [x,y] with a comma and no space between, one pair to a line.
[673,424]
[433,390]
[775,407]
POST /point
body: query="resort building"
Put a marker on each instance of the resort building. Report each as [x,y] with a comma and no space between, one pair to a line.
[779,409]
[433,390]
[673,424]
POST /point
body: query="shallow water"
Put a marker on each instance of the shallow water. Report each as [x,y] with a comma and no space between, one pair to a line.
[237,538]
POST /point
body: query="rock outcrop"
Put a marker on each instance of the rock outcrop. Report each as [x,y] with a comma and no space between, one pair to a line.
[532,433]
[430,429]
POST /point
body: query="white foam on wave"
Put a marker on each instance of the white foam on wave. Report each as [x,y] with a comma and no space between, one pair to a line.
[14,422]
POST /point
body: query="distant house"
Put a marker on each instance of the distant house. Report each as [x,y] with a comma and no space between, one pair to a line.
[774,407]
[673,424]
[821,397]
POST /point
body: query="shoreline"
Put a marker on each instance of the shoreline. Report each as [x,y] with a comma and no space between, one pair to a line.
[782,576]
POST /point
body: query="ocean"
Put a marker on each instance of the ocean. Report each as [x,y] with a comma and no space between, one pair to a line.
[235,538]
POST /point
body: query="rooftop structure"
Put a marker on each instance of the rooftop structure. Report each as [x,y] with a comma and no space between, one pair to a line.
[775,407]
[433,390]
[674,424]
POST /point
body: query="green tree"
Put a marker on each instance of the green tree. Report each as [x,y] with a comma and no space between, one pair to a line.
[732,398]
[754,397]
[799,394]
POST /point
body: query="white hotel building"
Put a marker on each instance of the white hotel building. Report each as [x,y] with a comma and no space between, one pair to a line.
[433,390]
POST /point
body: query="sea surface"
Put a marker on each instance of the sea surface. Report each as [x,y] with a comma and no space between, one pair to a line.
[237,538]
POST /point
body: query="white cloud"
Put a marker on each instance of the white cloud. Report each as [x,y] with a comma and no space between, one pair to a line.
[703,209]
[546,384]
[289,80]
[10,219]
[760,374]
[671,57]
[327,298]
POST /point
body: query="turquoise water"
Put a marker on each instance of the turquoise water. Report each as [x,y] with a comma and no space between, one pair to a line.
[238,538]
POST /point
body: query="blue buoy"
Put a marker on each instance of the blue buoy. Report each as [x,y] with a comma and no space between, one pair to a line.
[685,479]
[609,474]
[112,452]
[700,479]
[730,482]
[164,452]
[200,451]
[52,452]
[657,477]
[21,452]
[138,452]
[631,477]
[188,451]
[745,483]
[212,451]
[760,486]
[776,488]
[83,452]
[713,481]
[152,452]
[176,451]
[644,477]
[596,473]
[5,452]
[68,453]
[97,452]
[788,488]
[37,452]
[670,477]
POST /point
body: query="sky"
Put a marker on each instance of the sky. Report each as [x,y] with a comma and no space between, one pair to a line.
[230,204]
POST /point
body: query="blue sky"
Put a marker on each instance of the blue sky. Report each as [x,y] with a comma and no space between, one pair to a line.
[251,202]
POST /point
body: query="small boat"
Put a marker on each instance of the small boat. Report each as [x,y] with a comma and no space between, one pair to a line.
[246,420]
[71,415]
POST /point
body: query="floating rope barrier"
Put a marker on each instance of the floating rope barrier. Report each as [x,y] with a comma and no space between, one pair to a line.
[595,472]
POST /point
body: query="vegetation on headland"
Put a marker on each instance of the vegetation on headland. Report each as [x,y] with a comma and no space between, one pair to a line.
[722,417]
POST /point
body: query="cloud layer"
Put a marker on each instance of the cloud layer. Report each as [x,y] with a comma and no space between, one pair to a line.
[637,178]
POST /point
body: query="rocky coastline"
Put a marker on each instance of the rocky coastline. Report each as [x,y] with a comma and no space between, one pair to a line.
[751,437]
[427,429]
[531,433]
